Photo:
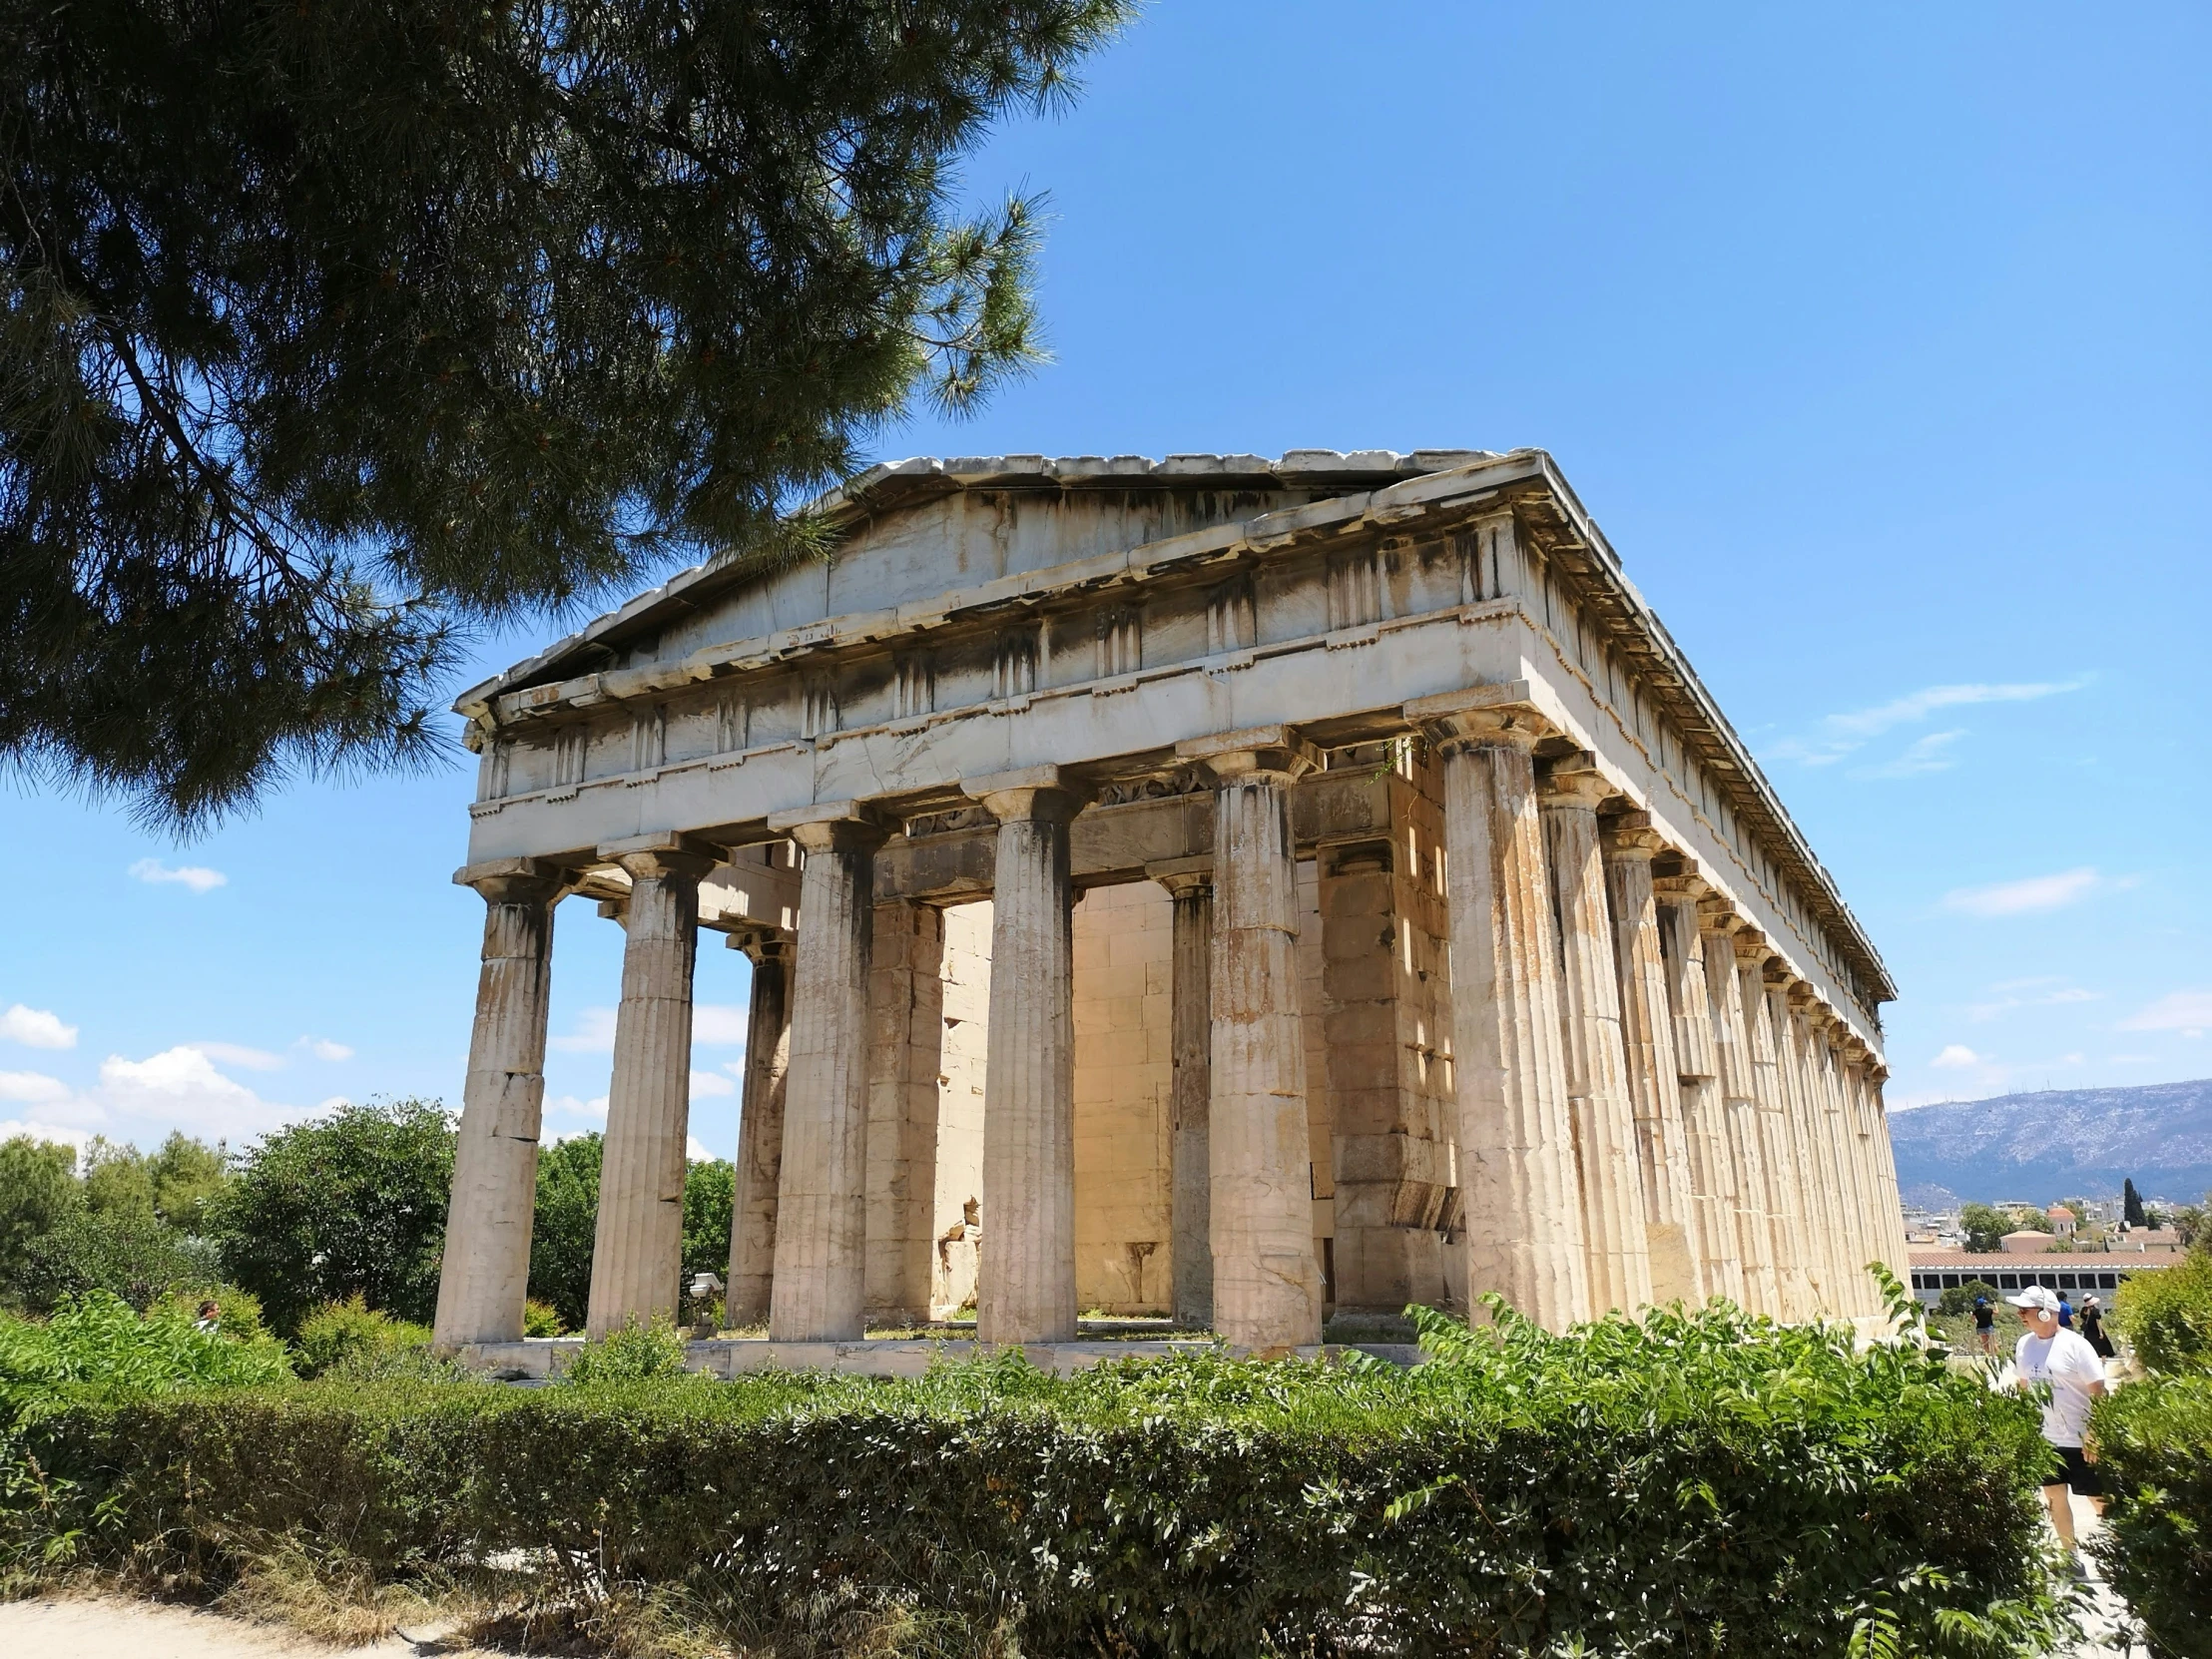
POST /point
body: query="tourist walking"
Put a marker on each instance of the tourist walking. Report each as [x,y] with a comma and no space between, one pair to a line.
[2050,1353]
[2065,1313]
[2092,1329]
[1986,1325]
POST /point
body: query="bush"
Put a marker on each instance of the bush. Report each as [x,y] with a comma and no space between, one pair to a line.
[1959,1297]
[351,1330]
[1700,1484]
[2167,1316]
[96,1348]
[542,1319]
[129,1252]
[2155,1452]
[635,1354]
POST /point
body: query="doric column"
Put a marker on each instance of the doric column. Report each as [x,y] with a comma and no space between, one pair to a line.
[1697,1069]
[1591,1028]
[1654,1082]
[1026,1291]
[1266,1285]
[638,1249]
[1780,1113]
[1793,1291]
[1885,1224]
[1871,1073]
[1816,1147]
[1516,1141]
[1190,1102]
[485,1274]
[760,1166]
[1853,1200]
[906,1057]
[1739,1107]
[822,1208]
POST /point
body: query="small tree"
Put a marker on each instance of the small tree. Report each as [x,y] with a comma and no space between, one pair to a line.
[2131,1203]
[562,1230]
[187,1176]
[352,1205]
[38,1191]
[1984,1227]
[1959,1297]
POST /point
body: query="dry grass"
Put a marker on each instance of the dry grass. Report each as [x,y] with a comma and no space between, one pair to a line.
[330,1599]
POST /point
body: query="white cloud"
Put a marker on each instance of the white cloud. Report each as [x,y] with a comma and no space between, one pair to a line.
[36,1028]
[1922,756]
[718,1024]
[238,1054]
[2026,897]
[2189,1012]
[197,878]
[594,1033]
[78,1138]
[696,1150]
[2014,994]
[322,1048]
[569,1105]
[706,1084]
[32,1088]
[179,1086]
[1957,1056]
[1840,735]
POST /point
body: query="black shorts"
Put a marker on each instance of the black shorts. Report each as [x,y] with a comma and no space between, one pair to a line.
[2080,1473]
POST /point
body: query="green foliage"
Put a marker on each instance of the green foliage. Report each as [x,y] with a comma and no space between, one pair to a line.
[1984,1227]
[542,1319]
[130,1252]
[2155,1455]
[2131,1205]
[1697,1484]
[2167,1316]
[708,1188]
[1959,1299]
[635,1354]
[116,1179]
[38,1191]
[97,1348]
[323,330]
[188,1176]
[349,1204]
[561,1232]
[350,1331]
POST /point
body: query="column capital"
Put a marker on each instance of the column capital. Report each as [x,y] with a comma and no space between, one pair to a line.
[1033,795]
[1257,750]
[1716,915]
[1684,887]
[761,944]
[1801,994]
[516,881]
[1481,717]
[1573,781]
[1752,948]
[830,827]
[1183,877]
[663,852]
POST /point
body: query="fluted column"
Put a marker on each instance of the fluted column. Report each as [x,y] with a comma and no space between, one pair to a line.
[1267,1284]
[1817,1151]
[1740,1108]
[1792,1290]
[1647,1035]
[1025,1285]
[1190,1104]
[485,1276]
[1516,1141]
[760,1166]
[821,1204]
[1697,1070]
[1855,1204]
[1599,1103]
[1872,1072]
[638,1249]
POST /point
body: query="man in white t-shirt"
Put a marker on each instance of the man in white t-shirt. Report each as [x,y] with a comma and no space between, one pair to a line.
[2049,1352]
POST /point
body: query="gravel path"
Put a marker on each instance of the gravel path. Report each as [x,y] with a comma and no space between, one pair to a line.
[109,1628]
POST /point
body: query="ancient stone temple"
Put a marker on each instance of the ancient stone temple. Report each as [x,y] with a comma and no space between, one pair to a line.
[1237,889]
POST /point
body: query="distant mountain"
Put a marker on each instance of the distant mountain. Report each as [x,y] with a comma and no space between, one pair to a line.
[2058,1142]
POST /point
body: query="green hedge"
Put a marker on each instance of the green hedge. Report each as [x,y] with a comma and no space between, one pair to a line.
[1707,1485]
[2155,1451]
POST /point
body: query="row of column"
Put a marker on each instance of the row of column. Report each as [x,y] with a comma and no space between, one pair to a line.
[1650,1108]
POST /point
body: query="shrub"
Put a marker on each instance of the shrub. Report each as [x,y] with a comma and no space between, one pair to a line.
[2167,1316]
[340,1332]
[128,1252]
[542,1319]
[1699,1484]
[1959,1297]
[38,1190]
[635,1354]
[2155,1441]
[97,1348]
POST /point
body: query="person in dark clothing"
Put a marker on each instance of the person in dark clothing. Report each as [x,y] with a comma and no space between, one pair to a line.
[1986,1325]
[2092,1329]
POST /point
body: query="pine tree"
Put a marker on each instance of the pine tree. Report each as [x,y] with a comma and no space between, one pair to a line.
[328,327]
[2131,1203]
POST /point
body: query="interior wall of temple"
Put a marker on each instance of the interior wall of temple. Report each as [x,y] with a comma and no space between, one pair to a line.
[956,1220]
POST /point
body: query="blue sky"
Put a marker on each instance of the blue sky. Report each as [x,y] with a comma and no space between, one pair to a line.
[1876,338]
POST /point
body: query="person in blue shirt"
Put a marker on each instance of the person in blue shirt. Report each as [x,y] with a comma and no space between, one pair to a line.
[2065,1313]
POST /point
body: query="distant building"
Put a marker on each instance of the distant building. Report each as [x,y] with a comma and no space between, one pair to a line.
[1938,1270]
[2026,1242]
[2061,1221]
[2148,1241]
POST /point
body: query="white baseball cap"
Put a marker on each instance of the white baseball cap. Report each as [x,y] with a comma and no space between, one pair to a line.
[2035,1295]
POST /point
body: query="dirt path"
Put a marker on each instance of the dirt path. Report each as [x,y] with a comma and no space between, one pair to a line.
[104,1627]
